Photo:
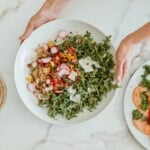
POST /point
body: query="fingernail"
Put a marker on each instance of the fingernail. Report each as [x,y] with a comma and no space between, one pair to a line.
[119,80]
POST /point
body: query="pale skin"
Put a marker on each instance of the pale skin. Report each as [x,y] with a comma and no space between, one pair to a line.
[49,11]
[125,48]
[52,8]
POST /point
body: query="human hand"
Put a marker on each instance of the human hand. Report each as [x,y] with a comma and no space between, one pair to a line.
[124,51]
[36,21]
[123,58]
[49,11]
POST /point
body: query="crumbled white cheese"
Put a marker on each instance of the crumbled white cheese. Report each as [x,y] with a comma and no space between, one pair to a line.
[72,75]
[71,90]
[87,64]
[45,60]
[73,96]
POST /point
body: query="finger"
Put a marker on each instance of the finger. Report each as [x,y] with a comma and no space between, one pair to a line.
[119,71]
[125,68]
[28,31]
[119,65]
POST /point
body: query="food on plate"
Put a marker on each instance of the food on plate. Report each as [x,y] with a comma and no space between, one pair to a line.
[71,73]
[141,99]
[139,95]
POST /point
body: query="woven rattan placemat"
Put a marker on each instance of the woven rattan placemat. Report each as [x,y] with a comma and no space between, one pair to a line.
[3,91]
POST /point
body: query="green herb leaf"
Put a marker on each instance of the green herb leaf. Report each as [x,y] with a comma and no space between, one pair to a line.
[144,104]
[136,114]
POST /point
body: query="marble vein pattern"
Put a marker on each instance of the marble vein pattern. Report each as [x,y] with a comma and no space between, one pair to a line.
[11,7]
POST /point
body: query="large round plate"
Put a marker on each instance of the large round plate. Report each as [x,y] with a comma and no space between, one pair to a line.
[129,106]
[26,53]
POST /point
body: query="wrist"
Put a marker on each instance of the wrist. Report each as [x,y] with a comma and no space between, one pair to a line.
[48,12]
[51,9]
[127,43]
[129,40]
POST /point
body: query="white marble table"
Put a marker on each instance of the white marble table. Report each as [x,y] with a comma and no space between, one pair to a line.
[19,128]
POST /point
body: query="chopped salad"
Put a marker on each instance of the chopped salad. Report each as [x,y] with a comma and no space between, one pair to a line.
[71,73]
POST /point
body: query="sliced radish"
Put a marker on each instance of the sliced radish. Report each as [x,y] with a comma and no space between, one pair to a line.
[63,72]
[59,40]
[31,87]
[40,61]
[48,81]
[38,95]
[54,50]
[62,34]
[44,60]
[64,66]
[58,91]
[63,69]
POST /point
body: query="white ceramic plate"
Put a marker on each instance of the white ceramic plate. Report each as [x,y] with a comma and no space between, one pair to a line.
[26,53]
[129,106]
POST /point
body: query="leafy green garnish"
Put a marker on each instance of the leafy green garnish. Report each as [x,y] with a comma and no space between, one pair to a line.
[136,114]
[145,82]
[144,103]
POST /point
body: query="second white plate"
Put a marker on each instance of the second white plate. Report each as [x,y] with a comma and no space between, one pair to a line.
[143,139]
